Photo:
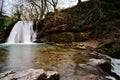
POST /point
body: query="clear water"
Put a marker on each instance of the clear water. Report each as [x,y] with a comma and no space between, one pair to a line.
[18,57]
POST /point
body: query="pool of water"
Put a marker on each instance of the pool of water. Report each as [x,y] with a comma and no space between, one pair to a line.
[18,57]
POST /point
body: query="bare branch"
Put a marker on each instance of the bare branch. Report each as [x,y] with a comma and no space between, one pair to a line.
[1,6]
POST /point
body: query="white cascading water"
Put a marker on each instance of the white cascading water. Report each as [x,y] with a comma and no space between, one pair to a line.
[22,32]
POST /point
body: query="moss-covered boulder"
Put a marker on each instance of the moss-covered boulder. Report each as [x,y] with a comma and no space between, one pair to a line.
[111,48]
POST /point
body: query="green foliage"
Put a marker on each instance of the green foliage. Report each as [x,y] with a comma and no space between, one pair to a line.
[4,22]
[74,44]
[1,22]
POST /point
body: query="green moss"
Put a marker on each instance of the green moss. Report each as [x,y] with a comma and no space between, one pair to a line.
[4,22]
[74,44]
[114,52]
[107,45]
[111,48]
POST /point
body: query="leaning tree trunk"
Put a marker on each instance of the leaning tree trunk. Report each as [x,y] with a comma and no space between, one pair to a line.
[79,1]
[1,7]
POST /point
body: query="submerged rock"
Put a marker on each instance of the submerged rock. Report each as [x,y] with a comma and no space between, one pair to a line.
[31,74]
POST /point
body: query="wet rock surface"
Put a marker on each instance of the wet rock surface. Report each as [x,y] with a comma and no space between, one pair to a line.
[107,68]
[90,70]
[30,74]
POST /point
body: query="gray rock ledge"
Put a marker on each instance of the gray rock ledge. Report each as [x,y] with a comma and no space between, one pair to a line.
[30,74]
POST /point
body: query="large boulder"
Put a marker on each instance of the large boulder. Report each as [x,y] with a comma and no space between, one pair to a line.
[106,67]
[30,74]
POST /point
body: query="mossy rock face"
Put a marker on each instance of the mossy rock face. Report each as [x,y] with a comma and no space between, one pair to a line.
[114,52]
[5,33]
[112,49]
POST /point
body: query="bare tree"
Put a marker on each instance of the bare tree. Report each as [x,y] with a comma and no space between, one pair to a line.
[18,11]
[53,3]
[1,6]
[33,9]
[39,8]
[79,2]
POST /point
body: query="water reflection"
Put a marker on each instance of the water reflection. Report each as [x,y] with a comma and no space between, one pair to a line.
[20,57]
[3,58]
[63,60]
[60,60]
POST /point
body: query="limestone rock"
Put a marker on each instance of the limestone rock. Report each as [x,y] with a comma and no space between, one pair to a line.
[30,74]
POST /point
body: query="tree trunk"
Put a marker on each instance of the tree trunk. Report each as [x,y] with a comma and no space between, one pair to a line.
[1,7]
[79,1]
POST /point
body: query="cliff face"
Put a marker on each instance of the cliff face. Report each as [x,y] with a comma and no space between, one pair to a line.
[88,20]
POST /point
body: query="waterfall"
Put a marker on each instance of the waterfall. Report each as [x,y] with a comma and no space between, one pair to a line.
[22,32]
